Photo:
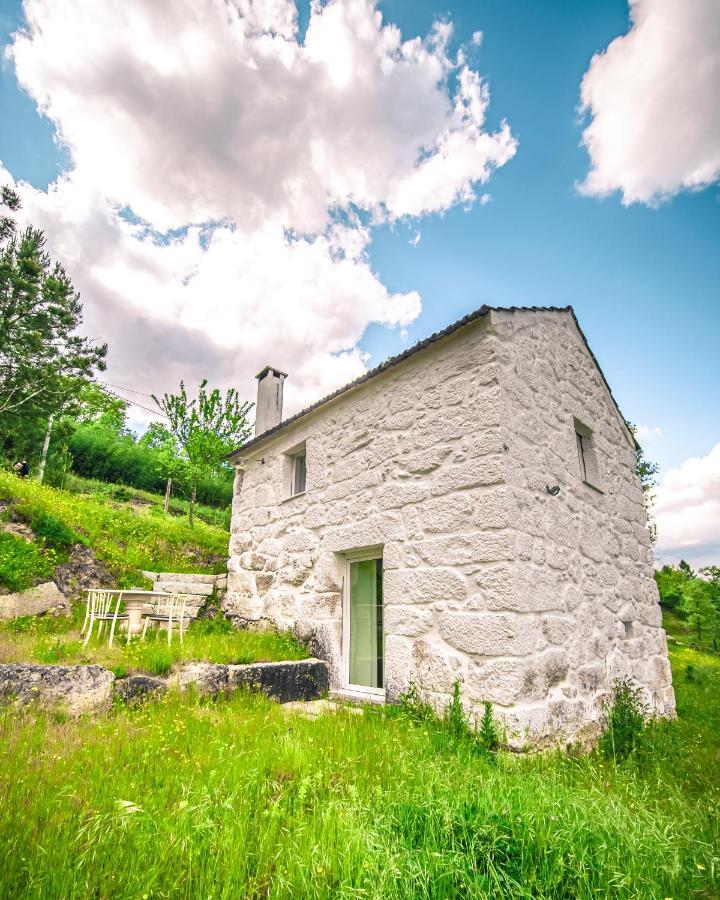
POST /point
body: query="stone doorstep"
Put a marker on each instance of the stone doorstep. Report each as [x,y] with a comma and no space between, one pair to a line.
[311,709]
[357,697]
[184,587]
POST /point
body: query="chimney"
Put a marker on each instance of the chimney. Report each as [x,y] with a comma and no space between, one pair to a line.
[268,409]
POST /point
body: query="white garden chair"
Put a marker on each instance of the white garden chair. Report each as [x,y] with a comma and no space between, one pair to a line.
[167,612]
[99,609]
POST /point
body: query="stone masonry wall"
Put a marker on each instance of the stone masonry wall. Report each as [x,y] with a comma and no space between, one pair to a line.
[443,461]
[581,579]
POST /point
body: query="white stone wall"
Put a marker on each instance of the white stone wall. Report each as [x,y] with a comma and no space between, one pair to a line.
[443,460]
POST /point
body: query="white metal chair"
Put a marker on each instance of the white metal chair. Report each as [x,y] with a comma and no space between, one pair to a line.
[167,612]
[99,609]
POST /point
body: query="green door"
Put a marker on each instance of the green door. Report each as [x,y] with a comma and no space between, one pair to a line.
[366,623]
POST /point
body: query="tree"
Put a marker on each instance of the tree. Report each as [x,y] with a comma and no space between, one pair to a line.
[206,429]
[169,461]
[647,472]
[701,612]
[44,363]
[671,582]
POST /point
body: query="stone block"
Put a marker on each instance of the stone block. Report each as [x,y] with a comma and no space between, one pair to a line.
[305,679]
[35,601]
[135,688]
[462,549]
[447,514]
[406,586]
[395,496]
[490,634]
[432,669]
[77,689]
[407,620]
[481,471]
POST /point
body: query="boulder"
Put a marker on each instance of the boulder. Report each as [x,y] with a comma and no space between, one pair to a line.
[139,687]
[43,598]
[78,689]
[305,679]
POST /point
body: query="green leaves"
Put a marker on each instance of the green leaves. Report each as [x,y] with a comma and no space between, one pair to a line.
[205,430]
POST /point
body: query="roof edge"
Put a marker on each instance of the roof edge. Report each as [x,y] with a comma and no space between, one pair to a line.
[392,361]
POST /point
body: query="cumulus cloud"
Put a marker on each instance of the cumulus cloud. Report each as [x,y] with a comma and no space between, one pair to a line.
[226,178]
[654,100]
[687,511]
[646,434]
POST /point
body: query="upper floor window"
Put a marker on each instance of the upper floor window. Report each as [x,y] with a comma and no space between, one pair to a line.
[299,472]
[587,455]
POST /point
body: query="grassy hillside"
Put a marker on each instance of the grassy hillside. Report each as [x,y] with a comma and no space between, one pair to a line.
[240,798]
[126,536]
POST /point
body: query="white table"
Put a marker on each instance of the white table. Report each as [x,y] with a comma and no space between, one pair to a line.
[135,603]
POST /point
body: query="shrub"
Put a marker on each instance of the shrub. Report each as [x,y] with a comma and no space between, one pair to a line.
[626,715]
[52,530]
[489,734]
[22,564]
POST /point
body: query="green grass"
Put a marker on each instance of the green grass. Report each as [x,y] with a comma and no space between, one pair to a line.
[238,798]
[52,641]
[124,493]
[23,563]
[126,538]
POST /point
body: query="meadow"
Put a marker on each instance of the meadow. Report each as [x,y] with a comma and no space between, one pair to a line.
[239,797]
[50,640]
[128,537]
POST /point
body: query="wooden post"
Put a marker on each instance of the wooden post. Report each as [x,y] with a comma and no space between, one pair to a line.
[168,494]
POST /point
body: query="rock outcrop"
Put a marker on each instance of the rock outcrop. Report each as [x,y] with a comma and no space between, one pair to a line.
[77,689]
[35,601]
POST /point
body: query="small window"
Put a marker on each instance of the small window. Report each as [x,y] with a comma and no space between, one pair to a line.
[587,455]
[298,474]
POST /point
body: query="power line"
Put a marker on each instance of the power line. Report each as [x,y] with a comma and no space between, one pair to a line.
[127,389]
[154,412]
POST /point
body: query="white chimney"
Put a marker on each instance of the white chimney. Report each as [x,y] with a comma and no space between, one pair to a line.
[268,409]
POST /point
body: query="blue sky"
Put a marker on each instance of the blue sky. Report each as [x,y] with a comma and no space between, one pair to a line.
[643,277]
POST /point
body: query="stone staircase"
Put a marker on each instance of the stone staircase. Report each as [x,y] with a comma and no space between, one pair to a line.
[195,588]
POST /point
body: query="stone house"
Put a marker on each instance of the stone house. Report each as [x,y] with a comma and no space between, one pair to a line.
[468,510]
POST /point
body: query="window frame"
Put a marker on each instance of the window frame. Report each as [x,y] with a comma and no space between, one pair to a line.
[299,473]
[588,460]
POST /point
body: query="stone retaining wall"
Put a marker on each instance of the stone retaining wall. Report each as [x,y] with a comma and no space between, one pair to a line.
[196,588]
[81,689]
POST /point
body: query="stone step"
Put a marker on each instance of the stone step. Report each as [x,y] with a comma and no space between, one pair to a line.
[186,577]
[184,587]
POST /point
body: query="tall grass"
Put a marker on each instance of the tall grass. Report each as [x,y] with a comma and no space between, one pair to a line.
[125,538]
[52,641]
[239,798]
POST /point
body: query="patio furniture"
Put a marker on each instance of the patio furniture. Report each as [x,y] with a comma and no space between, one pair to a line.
[100,609]
[168,610]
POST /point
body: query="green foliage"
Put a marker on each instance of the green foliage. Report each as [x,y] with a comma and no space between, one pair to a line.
[671,581]
[23,564]
[44,362]
[118,458]
[456,719]
[189,797]
[205,430]
[647,472]
[51,530]
[127,539]
[626,714]
[701,605]
[488,732]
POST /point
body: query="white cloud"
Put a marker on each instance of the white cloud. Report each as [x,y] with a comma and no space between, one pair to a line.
[687,511]
[477,38]
[266,156]
[654,99]
[647,434]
